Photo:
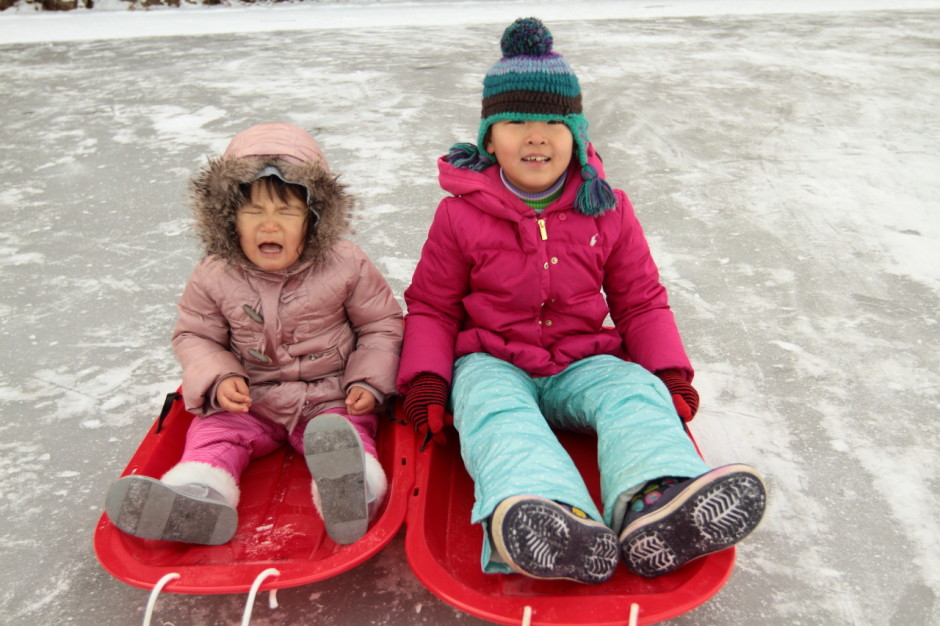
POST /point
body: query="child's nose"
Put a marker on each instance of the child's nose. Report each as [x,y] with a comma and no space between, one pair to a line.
[536,135]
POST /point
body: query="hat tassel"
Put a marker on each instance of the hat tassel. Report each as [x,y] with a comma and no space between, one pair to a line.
[469,156]
[595,194]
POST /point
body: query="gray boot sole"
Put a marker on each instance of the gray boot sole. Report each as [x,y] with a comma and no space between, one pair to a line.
[147,508]
[336,460]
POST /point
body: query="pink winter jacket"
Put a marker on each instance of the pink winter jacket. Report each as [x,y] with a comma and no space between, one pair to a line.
[530,289]
[300,337]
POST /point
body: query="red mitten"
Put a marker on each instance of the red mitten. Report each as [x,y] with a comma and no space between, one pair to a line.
[684,395]
[425,407]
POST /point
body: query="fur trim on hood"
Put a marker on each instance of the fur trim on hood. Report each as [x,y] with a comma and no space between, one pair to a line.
[216,197]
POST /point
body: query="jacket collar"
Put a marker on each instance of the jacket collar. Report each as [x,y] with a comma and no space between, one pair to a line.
[486,191]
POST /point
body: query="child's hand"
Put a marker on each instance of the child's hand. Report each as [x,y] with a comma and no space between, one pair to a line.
[232,395]
[359,401]
[684,395]
[425,407]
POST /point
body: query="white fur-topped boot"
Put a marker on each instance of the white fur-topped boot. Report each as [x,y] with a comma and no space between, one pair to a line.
[348,485]
[193,503]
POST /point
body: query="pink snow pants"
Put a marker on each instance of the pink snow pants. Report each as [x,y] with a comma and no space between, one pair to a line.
[230,441]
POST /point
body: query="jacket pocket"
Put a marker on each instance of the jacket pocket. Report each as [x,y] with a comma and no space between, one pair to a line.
[321,364]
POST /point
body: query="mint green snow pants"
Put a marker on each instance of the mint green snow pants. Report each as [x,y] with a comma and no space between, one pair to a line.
[505,419]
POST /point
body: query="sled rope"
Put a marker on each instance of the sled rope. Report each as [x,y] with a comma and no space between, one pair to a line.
[634,613]
[246,617]
[156,592]
[527,615]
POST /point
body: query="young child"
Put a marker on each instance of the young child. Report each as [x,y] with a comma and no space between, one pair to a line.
[287,333]
[506,316]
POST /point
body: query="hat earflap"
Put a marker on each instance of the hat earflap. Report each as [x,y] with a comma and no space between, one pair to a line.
[595,194]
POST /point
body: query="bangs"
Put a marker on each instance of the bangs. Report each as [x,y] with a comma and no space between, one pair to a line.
[276,188]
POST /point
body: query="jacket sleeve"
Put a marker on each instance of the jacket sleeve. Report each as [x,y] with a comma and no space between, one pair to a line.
[201,344]
[376,319]
[638,301]
[435,301]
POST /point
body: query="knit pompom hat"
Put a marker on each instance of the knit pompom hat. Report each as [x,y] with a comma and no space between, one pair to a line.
[531,82]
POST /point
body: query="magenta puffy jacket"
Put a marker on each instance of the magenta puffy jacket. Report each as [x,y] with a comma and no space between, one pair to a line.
[530,289]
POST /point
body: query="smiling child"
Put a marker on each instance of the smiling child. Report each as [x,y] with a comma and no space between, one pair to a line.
[506,312]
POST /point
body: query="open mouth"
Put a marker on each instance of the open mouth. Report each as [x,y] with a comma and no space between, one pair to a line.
[536,159]
[270,248]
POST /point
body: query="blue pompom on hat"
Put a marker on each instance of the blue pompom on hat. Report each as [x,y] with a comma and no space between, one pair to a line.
[532,82]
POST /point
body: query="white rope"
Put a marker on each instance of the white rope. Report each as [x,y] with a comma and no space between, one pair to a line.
[527,616]
[154,593]
[634,613]
[246,617]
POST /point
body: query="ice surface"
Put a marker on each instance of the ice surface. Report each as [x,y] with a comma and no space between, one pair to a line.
[783,158]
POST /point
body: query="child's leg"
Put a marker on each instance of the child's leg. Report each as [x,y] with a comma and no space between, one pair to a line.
[639,435]
[641,439]
[229,441]
[507,446]
[194,502]
[527,488]
[349,483]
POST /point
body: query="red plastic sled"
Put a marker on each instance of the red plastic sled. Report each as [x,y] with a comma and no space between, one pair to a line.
[278,526]
[280,529]
[443,549]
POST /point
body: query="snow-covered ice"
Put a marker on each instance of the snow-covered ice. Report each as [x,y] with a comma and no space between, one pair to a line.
[783,158]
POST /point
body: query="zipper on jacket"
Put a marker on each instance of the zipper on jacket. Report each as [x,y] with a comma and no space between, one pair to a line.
[542,230]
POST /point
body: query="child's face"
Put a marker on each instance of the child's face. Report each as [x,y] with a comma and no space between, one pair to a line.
[271,231]
[533,155]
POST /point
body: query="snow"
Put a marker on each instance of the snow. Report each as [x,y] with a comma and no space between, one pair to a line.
[781,156]
[110,19]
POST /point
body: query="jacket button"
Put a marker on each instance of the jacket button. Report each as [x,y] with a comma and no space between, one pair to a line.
[554,260]
[545,266]
[250,312]
[260,356]
[548,322]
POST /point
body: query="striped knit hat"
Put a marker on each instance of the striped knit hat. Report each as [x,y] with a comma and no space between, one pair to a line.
[530,82]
